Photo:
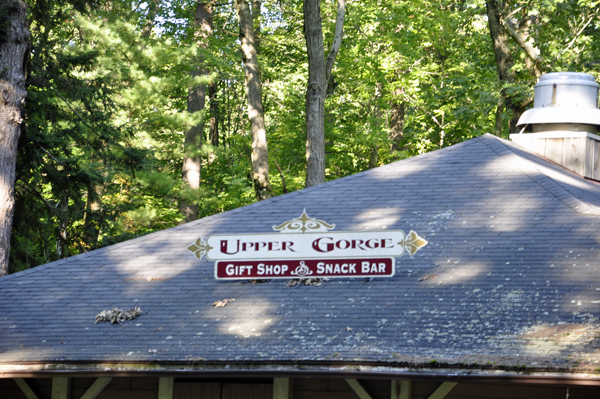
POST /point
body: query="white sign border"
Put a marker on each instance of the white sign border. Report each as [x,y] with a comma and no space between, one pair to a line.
[393,259]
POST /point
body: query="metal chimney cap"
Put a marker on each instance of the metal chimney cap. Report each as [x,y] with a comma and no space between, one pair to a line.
[577,78]
[564,97]
[576,115]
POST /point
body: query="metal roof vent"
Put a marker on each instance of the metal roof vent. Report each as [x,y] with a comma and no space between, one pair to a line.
[563,124]
[562,99]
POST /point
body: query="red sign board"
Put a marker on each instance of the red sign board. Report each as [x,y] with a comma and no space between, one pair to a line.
[309,268]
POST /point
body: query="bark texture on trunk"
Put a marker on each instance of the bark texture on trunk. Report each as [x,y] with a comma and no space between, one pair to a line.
[256,21]
[500,30]
[93,214]
[62,239]
[196,100]
[214,115]
[374,156]
[260,155]
[499,122]
[150,18]
[397,113]
[319,72]
[504,60]
[14,43]
[315,94]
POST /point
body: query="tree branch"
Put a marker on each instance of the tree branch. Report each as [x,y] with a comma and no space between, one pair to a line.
[282,178]
[73,108]
[47,152]
[526,103]
[337,38]
[526,46]
[522,8]
[33,191]
[572,42]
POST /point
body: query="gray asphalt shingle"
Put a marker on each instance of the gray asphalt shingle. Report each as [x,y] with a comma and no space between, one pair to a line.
[510,276]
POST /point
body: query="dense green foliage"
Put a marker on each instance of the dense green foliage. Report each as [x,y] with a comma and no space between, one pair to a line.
[101,151]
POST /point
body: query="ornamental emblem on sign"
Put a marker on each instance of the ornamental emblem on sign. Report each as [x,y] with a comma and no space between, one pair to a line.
[302,270]
[306,246]
[199,248]
[304,224]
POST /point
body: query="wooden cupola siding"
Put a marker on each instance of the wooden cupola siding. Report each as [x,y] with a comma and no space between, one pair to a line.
[563,124]
[277,388]
[577,151]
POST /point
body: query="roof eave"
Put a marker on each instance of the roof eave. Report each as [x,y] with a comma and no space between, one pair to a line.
[297,370]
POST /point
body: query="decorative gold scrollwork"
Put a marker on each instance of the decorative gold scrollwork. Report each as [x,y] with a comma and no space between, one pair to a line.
[200,248]
[412,243]
[303,224]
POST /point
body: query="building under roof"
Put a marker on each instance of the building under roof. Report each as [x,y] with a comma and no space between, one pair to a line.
[502,301]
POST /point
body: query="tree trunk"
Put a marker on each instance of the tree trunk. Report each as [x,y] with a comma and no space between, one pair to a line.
[93,215]
[397,113]
[203,17]
[376,129]
[214,115]
[499,122]
[518,110]
[319,72]
[260,155]
[504,60]
[62,242]
[374,156]
[150,17]
[256,20]
[14,43]
[315,94]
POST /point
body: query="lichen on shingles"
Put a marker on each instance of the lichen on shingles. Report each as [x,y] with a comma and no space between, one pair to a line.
[545,345]
[545,339]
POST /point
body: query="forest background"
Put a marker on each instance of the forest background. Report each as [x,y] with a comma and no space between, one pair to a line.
[110,101]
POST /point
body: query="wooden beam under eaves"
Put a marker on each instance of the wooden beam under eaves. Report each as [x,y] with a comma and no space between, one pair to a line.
[165,388]
[29,394]
[96,388]
[443,390]
[360,391]
[61,388]
[282,388]
[401,389]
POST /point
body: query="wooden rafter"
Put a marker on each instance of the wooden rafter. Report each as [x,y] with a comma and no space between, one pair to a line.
[61,388]
[26,388]
[443,390]
[96,388]
[360,391]
[165,388]
[282,388]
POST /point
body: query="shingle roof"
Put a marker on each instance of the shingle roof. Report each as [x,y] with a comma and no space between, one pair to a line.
[510,277]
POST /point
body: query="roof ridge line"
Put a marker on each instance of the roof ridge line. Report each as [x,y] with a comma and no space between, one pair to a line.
[543,180]
[321,185]
[324,184]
